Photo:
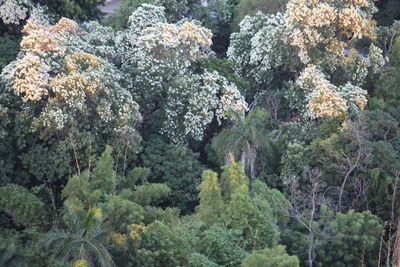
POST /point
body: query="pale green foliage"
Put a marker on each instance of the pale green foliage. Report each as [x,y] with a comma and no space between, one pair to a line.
[148,194]
[250,213]
[395,54]
[103,175]
[119,213]
[233,177]
[211,204]
[271,257]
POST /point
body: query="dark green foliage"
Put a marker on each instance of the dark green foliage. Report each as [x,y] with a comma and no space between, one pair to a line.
[243,138]
[199,260]
[85,239]
[134,176]
[371,142]
[395,53]
[388,11]
[356,242]
[177,167]
[80,10]
[220,245]
[116,204]
[9,47]
[23,206]
[353,239]
[251,7]
[12,253]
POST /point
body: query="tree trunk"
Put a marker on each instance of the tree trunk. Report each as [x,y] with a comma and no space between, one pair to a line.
[310,250]
[396,259]
[243,160]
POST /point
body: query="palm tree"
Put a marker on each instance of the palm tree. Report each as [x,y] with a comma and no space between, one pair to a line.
[86,240]
[243,138]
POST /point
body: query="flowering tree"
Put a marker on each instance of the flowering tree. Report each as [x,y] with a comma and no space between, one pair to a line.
[163,61]
[322,36]
[68,98]
[260,47]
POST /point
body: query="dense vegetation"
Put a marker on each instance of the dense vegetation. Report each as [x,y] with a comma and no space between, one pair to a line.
[201,134]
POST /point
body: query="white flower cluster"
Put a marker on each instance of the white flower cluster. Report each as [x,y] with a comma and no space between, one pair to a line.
[192,103]
[375,58]
[52,118]
[267,46]
[354,95]
[260,45]
[12,11]
[241,45]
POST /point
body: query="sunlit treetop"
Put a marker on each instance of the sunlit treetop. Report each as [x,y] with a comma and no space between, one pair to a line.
[61,78]
[328,26]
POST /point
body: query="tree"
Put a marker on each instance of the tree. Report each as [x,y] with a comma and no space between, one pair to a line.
[270,257]
[176,96]
[161,245]
[103,174]
[176,166]
[79,10]
[356,241]
[243,138]
[230,203]
[70,104]
[84,240]
[305,211]
[251,7]
[24,207]
[211,204]
[119,19]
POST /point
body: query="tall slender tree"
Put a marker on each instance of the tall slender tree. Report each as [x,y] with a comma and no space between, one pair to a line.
[243,138]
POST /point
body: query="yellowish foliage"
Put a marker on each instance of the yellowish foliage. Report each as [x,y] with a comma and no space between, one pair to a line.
[31,78]
[328,24]
[78,59]
[80,263]
[326,103]
[64,26]
[135,230]
[119,239]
